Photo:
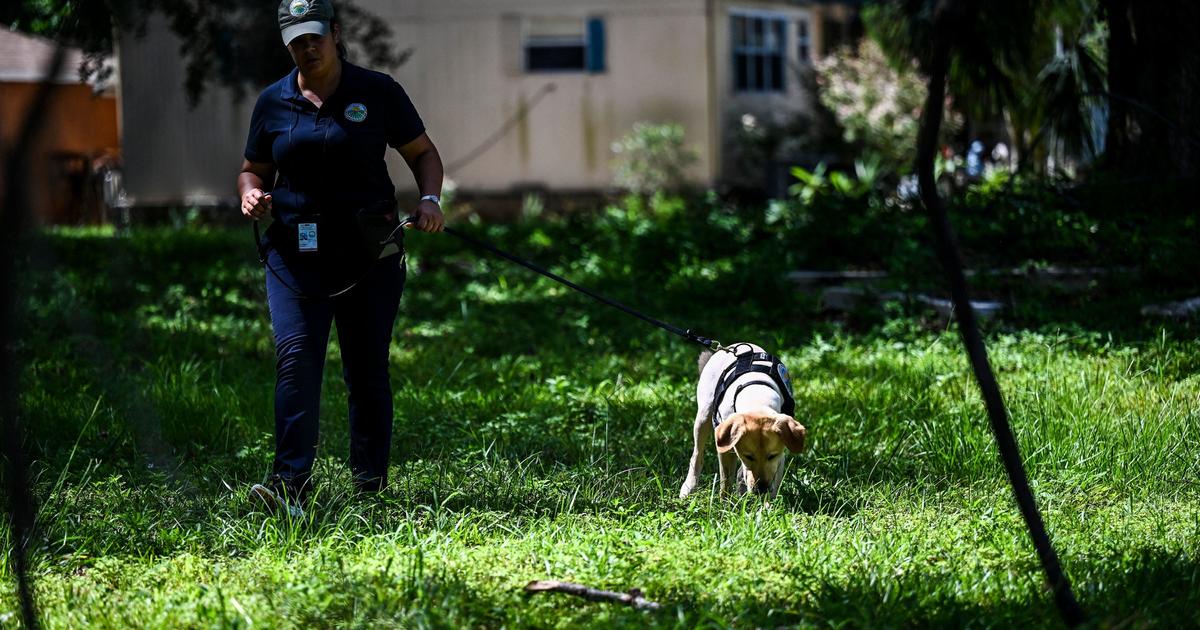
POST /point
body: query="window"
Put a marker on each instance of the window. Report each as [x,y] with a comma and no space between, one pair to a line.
[758,52]
[564,45]
[803,41]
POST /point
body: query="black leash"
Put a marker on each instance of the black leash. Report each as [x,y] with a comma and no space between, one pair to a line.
[688,334]
[397,238]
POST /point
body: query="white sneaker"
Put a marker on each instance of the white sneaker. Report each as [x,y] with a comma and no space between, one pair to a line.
[276,501]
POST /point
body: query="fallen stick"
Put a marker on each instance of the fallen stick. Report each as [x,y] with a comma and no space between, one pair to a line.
[632,598]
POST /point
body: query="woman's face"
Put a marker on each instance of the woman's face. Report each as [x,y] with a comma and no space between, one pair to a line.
[313,54]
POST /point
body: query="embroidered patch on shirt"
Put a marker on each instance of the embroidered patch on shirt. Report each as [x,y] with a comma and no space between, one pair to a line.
[356,112]
[298,8]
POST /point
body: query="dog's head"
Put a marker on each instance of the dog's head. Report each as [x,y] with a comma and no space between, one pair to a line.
[759,439]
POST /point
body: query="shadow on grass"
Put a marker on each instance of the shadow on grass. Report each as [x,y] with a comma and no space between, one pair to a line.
[860,440]
[1150,589]
[1157,591]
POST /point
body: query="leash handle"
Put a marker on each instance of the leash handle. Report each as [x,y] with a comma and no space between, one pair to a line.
[258,244]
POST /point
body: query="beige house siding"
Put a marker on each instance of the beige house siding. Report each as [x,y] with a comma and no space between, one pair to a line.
[174,153]
[467,79]
[665,61]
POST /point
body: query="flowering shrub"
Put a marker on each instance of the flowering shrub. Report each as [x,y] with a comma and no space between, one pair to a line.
[877,105]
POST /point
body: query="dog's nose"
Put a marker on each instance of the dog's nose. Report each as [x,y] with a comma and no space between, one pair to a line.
[761,487]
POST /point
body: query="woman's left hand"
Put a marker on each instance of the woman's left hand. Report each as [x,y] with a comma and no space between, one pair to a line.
[429,217]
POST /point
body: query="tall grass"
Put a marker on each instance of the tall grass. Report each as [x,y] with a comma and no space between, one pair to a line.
[540,436]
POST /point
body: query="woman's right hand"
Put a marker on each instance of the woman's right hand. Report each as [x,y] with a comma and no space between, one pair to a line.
[256,204]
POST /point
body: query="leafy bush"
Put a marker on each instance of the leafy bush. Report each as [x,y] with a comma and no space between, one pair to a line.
[839,220]
[653,158]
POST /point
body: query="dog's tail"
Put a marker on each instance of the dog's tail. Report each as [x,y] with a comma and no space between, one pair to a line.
[704,357]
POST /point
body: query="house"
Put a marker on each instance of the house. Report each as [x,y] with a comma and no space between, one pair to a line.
[517,94]
[79,137]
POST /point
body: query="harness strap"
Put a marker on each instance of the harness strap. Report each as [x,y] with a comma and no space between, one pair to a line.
[752,363]
[738,391]
[260,245]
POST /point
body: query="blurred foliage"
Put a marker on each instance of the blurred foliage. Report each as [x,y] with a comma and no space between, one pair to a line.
[1071,87]
[836,219]
[1037,66]
[763,147]
[653,157]
[225,42]
[877,102]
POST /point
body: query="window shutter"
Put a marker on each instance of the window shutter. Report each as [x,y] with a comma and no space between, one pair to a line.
[595,45]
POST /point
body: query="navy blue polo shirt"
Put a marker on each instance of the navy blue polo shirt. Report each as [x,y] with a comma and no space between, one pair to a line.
[329,161]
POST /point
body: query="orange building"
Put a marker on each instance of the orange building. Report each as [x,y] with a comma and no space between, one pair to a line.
[79,143]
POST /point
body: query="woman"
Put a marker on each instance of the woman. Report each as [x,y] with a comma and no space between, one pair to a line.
[314,159]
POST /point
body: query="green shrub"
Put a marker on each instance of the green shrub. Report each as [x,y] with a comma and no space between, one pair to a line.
[653,158]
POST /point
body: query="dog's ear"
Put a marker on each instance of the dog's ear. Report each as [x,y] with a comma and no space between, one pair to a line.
[729,432]
[791,432]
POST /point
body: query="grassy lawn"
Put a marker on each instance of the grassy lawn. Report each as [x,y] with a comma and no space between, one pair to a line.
[540,436]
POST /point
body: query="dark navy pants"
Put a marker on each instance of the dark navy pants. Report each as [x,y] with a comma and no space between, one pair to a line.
[364,318]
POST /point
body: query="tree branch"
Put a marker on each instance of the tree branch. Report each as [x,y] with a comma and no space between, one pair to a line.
[632,598]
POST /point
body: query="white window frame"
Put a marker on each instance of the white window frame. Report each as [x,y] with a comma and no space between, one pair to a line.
[528,41]
[804,50]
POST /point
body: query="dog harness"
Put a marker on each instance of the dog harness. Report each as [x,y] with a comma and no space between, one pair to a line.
[755,362]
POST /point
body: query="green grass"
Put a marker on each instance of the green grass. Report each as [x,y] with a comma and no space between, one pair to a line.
[542,437]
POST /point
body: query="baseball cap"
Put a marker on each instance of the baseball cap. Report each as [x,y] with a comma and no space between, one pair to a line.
[304,17]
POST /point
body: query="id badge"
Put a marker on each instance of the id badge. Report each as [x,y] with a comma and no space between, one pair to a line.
[308,237]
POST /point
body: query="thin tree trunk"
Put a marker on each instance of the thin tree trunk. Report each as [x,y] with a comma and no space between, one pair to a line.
[947,20]
[15,216]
